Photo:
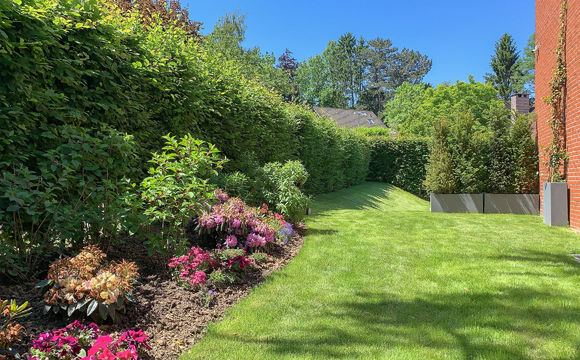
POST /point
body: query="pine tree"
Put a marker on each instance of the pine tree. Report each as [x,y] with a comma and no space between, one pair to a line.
[504,64]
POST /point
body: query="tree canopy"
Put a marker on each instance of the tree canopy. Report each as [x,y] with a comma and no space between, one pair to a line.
[355,73]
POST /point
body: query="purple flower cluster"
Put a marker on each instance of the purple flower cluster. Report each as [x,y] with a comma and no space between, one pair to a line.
[237,224]
[286,232]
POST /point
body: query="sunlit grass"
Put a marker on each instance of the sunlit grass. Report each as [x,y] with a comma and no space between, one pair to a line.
[380,277]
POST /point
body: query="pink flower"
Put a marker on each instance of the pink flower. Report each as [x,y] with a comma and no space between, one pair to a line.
[199,276]
[101,344]
[231,240]
[236,223]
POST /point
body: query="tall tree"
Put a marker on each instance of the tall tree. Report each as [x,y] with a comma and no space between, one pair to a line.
[366,74]
[504,64]
[527,65]
[226,40]
[287,62]
[316,86]
[407,66]
[378,56]
[346,61]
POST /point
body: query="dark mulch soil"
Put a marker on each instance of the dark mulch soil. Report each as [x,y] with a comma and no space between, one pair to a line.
[169,314]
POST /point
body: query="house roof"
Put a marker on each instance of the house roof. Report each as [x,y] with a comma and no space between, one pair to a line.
[351,118]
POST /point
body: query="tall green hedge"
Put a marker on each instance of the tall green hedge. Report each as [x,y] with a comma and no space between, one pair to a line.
[399,161]
[81,63]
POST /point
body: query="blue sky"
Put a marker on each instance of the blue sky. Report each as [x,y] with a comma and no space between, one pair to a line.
[459,36]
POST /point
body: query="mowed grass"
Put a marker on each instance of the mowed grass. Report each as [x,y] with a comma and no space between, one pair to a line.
[380,277]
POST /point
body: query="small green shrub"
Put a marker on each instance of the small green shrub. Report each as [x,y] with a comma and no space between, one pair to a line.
[177,189]
[281,186]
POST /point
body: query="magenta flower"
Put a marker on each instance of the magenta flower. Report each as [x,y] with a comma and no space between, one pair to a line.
[231,241]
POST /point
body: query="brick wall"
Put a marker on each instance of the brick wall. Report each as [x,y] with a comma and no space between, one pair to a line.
[547,28]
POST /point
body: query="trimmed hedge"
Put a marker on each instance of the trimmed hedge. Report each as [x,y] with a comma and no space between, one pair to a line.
[400,161]
[69,63]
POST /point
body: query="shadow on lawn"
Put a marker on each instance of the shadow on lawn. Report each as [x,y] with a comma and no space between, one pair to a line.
[353,198]
[501,325]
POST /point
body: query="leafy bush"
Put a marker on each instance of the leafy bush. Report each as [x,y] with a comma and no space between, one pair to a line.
[78,341]
[86,283]
[399,161]
[177,189]
[468,157]
[231,223]
[76,194]
[281,186]
[11,332]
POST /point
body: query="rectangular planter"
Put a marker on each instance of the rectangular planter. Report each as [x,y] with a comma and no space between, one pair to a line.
[556,203]
[456,203]
[524,204]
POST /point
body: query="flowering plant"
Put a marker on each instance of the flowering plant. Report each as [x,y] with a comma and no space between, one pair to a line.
[10,332]
[85,283]
[231,223]
[191,270]
[199,269]
[85,342]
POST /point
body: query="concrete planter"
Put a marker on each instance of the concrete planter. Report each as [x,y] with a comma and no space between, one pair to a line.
[456,203]
[525,204]
[556,203]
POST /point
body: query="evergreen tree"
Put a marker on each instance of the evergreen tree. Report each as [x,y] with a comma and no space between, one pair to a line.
[504,64]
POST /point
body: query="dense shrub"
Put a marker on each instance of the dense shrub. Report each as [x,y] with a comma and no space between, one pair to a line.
[281,185]
[86,284]
[499,156]
[66,196]
[177,189]
[333,157]
[399,161]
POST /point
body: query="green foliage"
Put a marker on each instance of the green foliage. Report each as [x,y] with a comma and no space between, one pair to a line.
[525,78]
[220,278]
[10,331]
[467,157]
[177,189]
[353,73]
[504,64]
[281,186]
[416,108]
[75,195]
[333,157]
[399,161]
[225,41]
[260,258]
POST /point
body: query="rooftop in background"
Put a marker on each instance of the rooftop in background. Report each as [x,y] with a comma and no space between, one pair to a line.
[351,118]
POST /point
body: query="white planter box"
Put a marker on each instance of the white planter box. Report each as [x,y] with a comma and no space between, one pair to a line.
[556,203]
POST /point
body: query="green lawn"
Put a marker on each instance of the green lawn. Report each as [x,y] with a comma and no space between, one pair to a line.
[380,277]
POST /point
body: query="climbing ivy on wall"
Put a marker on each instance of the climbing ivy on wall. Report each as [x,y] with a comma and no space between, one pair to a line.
[556,151]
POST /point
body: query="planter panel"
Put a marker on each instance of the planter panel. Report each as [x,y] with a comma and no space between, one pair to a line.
[457,203]
[556,203]
[525,204]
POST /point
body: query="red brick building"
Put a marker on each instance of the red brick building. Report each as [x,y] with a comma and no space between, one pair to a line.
[547,29]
